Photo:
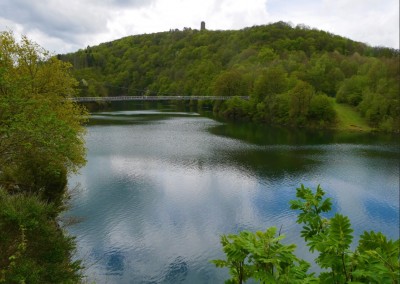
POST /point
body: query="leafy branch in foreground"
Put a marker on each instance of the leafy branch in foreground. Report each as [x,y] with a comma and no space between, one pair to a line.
[262,257]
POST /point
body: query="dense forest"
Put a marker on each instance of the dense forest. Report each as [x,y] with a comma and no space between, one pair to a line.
[294,76]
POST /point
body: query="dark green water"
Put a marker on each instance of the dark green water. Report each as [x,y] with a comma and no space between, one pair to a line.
[161,185]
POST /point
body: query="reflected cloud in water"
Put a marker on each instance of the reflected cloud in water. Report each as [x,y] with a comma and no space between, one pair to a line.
[157,195]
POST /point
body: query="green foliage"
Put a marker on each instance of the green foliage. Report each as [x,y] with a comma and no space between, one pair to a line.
[378,260]
[41,131]
[264,62]
[381,107]
[229,84]
[351,90]
[236,109]
[322,110]
[33,248]
[41,142]
[333,243]
[262,257]
[272,81]
[39,175]
[300,100]
[311,206]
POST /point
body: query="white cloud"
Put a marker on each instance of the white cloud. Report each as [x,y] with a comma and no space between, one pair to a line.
[177,14]
[374,22]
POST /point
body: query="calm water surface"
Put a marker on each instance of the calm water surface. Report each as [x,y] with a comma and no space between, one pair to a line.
[161,186]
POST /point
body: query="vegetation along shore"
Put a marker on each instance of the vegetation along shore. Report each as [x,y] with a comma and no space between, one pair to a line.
[295,76]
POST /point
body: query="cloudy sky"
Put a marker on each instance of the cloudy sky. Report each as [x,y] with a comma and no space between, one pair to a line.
[63,26]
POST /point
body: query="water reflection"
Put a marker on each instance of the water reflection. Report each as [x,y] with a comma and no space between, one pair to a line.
[266,135]
[160,188]
[177,271]
[115,263]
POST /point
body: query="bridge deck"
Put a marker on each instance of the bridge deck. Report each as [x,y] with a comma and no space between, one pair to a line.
[152,98]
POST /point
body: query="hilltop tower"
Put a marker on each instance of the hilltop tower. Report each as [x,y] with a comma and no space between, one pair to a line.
[203,26]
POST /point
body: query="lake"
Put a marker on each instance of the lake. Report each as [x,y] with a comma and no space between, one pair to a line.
[162,184]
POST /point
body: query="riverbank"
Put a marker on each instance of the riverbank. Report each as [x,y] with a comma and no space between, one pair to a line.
[348,119]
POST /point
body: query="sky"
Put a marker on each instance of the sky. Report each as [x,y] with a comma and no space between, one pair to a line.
[66,26]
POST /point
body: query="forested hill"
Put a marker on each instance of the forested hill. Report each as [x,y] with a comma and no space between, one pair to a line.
[289,72]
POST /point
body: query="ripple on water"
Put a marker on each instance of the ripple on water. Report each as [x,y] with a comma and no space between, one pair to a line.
[158,193]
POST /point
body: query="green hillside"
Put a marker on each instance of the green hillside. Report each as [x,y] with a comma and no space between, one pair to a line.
[349,119]
[290,73]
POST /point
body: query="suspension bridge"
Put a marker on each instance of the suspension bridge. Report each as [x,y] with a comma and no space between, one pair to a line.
[154,98]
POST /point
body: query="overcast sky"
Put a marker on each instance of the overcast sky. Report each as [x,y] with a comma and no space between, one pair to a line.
[63,26]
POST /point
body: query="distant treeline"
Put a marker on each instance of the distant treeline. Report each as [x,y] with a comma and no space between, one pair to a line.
[290,73]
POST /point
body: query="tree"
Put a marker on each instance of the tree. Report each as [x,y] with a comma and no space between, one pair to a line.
[300,99]
[39,125]
[230,83]
[271,82]
[236,108]
[350,90]
[321,110]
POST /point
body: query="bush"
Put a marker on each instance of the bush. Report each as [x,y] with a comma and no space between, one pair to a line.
[322,110]
[236,109]
[34,249]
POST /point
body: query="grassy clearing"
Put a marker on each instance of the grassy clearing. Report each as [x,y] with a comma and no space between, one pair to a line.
[350,119]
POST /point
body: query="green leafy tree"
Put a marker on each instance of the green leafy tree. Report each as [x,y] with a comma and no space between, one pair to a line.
[267,55]
[321,110]
[37,121]
[317,74]
[350,90]
[280,109]
[300,99]
[271,82]
[236,108]
[230,83]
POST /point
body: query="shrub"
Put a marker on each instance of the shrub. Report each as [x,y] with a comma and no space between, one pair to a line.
[34,249]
